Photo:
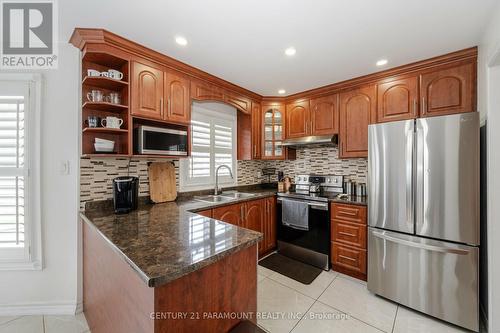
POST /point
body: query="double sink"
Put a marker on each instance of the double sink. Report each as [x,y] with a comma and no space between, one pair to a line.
[224,196]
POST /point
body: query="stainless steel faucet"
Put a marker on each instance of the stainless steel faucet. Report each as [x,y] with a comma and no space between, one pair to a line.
[217,189]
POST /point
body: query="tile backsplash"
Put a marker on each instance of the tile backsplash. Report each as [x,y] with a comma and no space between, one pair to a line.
[323,160]
[96,175]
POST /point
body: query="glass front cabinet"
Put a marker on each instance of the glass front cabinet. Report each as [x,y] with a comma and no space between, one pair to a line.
[272,131]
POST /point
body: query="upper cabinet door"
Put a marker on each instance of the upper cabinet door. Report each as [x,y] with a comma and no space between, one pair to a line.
[325,115]
[272,115]
[178,97]
[397,100]
[448,91]
[357,108]
[297,119]
[147,91]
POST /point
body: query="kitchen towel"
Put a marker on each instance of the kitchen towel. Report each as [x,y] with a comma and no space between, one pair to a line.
[295,214]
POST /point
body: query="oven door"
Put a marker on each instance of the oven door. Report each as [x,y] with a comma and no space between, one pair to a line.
[161,141]
[311,246]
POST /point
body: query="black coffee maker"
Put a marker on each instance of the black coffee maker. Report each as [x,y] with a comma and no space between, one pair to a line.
[125,194]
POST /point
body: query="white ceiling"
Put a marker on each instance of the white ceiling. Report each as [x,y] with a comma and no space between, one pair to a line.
[243,41]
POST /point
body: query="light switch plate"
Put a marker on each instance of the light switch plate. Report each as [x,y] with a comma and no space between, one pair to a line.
[64,169]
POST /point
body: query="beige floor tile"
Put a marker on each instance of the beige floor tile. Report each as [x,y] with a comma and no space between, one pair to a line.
[354,298]
[280,308]
[25,324]
[314,289]
[66,324]
[324,319]
[260,278]
[6,319]
[414,322]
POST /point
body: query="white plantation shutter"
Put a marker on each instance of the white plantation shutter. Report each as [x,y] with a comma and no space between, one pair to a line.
[14,100]
[213,143]
[20,242]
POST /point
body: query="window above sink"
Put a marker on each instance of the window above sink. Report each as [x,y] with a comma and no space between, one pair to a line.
[213,132]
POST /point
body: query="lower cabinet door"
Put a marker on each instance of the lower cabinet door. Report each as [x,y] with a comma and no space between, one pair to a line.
[349,258]
[232,214]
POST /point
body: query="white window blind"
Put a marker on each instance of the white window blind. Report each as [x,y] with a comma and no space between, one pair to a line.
[213,143]
[15,178]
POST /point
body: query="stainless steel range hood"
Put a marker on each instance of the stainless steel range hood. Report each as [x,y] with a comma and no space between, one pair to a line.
[312,140]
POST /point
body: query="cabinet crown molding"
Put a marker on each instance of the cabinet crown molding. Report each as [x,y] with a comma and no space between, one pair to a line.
[82,37]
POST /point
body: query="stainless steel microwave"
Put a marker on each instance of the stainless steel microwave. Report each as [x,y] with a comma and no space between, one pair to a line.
[160,141]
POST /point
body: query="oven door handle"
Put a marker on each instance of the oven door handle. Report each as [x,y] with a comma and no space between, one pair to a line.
[313,205]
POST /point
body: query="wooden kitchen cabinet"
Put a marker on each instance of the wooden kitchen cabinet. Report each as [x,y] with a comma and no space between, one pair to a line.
[256,137]
[160,95]
[348,239]
[272,125]
[147,91]
[357,109]
[258,215]
[206,213]
[298,122]
[268,227]
[324,114]
[178,97]
[204,91]
[448,90]
[397,99]
[241,103]
[232,214]
[254,214]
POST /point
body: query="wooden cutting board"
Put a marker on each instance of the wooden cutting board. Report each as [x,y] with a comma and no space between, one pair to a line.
[162,182]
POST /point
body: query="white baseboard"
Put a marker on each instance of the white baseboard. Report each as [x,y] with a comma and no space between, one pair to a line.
[39,308]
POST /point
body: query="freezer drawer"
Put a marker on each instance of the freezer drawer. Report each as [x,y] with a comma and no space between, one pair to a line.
[437,278]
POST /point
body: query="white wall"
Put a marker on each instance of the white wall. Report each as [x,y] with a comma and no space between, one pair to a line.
[53,289]
[489,106]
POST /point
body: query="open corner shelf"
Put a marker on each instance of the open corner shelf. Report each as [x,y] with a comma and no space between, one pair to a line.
[104,82]
[105,130]
[104,106]
[105,155]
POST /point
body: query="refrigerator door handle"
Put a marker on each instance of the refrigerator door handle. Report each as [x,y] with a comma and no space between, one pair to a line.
[428,247]
[410,208]
[419,193]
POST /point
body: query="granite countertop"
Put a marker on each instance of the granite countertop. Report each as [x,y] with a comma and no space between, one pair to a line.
[163,242]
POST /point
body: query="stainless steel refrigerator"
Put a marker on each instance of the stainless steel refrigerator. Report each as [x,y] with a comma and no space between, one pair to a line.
[423,215]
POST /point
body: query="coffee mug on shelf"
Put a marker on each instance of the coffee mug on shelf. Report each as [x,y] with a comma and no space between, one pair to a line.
[114,74]
[114,98]
[93,121]
[93,72]
[112,122]
[95,96]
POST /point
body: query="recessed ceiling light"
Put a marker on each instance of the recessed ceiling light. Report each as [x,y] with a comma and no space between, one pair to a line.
[290,51]
[181,40]
[281,91]
[382,62]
